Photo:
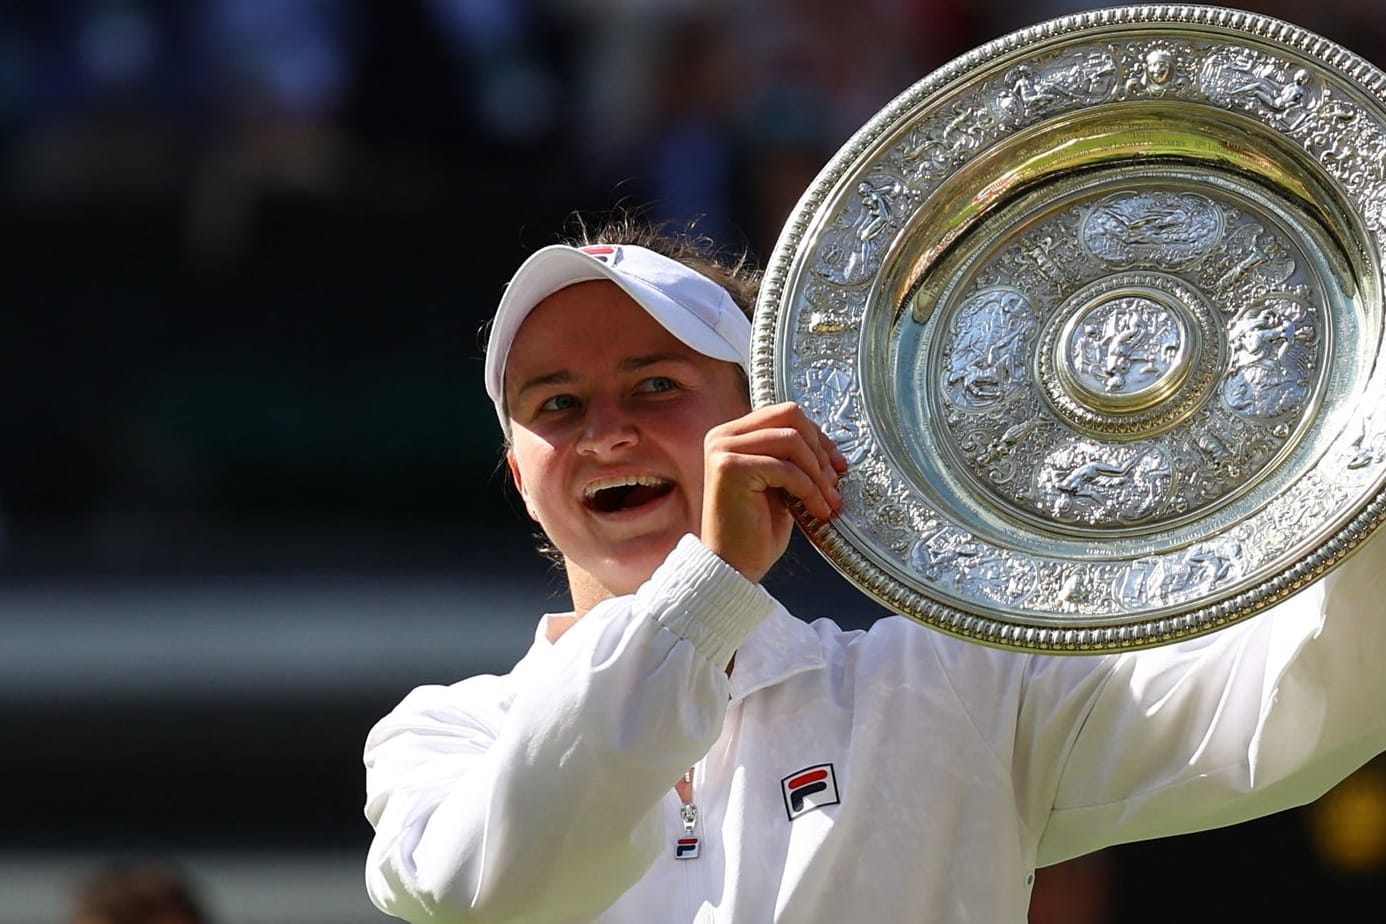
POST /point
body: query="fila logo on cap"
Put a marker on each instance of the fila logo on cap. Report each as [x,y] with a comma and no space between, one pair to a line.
[809,789]
[603,252]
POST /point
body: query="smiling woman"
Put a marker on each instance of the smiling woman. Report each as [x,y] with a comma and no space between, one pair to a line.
[679,747]
[608,411]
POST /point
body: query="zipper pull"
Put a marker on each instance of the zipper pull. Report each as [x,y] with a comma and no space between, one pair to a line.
[687,847]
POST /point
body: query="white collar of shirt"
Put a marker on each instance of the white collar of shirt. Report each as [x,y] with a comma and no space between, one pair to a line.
[776,650]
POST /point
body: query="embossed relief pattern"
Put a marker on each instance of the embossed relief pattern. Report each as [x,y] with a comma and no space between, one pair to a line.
[1174,250]
[1272,344]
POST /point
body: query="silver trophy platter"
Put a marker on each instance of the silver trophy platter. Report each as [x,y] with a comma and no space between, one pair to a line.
[1094,311]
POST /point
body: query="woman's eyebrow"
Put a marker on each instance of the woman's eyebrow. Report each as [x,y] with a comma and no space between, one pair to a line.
[560,377]
[629,364]
[634,363]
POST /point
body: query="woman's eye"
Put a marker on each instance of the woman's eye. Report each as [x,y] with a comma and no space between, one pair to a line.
[559,403]
[657,383]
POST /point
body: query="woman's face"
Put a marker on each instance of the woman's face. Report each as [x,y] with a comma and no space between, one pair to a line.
[608,411]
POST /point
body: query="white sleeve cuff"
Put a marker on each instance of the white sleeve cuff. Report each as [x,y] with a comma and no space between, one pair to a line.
[701,598]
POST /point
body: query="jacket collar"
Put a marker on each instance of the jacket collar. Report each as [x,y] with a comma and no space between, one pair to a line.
[776,650]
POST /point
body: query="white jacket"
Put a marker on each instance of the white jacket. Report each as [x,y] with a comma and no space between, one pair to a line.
[547,795]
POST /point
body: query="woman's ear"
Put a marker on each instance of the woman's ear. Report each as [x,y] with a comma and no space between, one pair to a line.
[520,485]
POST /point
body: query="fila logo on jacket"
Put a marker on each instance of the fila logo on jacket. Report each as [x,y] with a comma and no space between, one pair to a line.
[808,789]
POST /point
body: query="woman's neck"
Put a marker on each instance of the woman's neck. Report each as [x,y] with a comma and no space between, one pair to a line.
[586,592]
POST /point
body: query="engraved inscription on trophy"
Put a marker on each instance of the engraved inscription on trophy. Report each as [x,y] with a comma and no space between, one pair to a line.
[985,360]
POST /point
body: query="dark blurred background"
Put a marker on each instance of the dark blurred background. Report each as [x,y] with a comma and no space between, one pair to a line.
[249,492]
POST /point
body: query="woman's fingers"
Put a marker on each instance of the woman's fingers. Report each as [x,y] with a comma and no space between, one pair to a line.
[751,464]
[814,474]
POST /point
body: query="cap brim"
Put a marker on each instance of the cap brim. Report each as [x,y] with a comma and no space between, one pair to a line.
[558,266]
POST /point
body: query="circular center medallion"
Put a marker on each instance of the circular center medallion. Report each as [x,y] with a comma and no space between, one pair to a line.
[1129,355]
[1127,351]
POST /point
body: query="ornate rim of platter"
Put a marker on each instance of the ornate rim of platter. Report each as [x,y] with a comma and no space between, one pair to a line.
[1094,311]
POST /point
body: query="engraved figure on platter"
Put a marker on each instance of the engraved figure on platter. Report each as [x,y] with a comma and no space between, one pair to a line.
[1137,585]
[1076,587]
[1001,446]
[1103,484]
[1037,260]
[1023,91]
[986,360]
[1156,73]
[942,557]
[1157,227]
[878,212]
[1271,358]
[1261,253]
[1374,208]
[1201,570]
[1366,447]
[1081,78]
[1275,94]
[1127,345]
[933,149]
[833,384]
[1211,440]
[1331,136]
[1285,94]
[989,577]
[956,560]
[831,312]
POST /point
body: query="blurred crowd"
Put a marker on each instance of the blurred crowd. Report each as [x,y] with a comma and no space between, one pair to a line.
[207,203]
[718,108]
[723,108]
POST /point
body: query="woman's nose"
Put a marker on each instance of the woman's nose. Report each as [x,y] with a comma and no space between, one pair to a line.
[606,427]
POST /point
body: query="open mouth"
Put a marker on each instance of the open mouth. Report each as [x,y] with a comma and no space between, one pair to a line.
[627,492]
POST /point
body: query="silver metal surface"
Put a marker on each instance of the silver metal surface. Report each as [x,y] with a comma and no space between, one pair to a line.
[1094,312]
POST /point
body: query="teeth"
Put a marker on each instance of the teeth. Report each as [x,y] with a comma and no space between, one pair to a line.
[622,481]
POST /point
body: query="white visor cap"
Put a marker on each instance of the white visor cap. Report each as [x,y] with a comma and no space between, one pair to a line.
[692,307]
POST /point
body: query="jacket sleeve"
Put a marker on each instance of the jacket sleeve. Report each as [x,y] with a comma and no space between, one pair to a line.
[1263,716]
[542,806]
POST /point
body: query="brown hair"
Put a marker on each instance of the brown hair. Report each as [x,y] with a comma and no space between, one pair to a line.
[733,270]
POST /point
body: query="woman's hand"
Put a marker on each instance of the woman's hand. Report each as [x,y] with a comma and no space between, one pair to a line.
[749,465]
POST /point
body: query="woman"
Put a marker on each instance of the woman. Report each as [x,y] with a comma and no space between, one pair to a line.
[678,747]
